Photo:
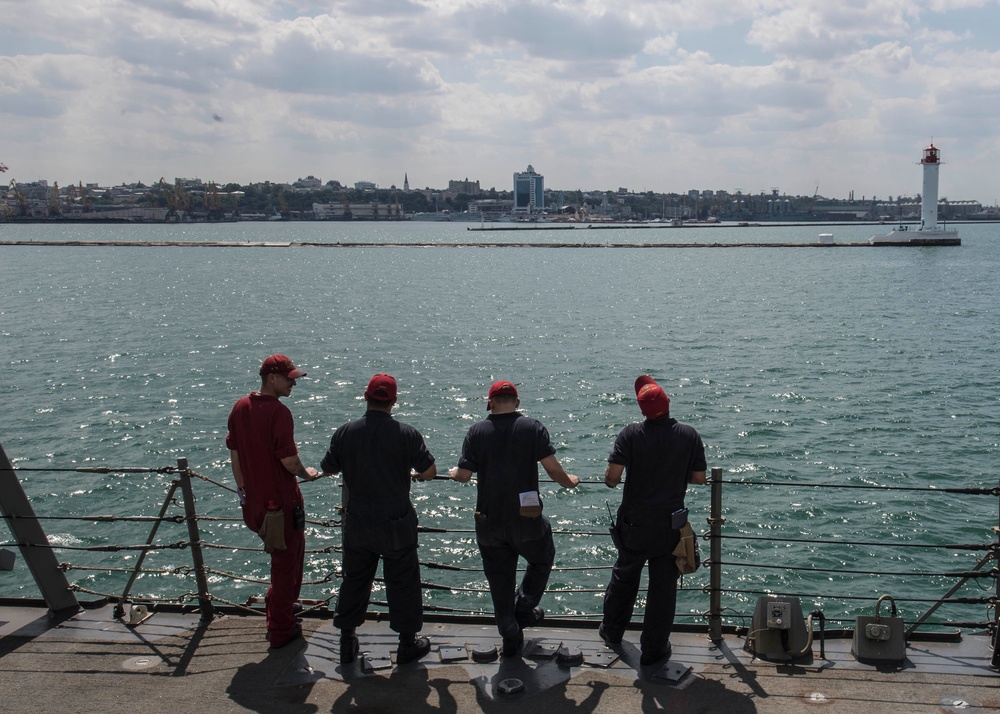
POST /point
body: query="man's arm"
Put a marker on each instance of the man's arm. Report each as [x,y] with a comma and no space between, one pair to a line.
[329,465]
[238,475]
[237,471]
[697,477]
[294,465]
[425,475]
[557,473]
[459,474]
[613,474]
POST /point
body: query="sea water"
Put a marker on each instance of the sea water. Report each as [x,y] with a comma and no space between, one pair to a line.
[798,366]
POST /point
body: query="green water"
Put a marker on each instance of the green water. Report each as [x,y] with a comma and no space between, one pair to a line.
[866,366]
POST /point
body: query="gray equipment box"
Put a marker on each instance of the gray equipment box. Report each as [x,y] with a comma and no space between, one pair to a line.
[779,630]
[879,639]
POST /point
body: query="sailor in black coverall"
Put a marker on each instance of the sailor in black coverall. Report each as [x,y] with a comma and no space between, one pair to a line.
[660,456]
[376,454]
[504,451]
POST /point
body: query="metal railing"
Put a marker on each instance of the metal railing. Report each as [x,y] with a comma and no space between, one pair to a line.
[460,580]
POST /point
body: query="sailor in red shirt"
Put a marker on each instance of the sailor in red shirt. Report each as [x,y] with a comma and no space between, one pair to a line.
[266,465]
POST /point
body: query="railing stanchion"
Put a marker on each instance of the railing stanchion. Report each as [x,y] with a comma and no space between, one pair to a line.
[120,607]
[204,601]
[27,531]
[715,522]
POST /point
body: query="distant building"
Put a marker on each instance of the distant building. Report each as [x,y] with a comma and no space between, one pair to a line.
[470,188]
[364,185]
[309,182]
[373,211]
[491,209]
[529,188]
[406,183]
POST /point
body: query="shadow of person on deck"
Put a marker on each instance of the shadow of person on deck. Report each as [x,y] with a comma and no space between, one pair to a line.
[701,695]
[554,700]
[409,689]
[255,686]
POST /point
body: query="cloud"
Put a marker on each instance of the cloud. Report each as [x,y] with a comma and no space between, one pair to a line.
[556,31]
[821,30]
[887,59]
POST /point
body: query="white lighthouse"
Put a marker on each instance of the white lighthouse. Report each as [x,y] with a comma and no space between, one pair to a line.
[928,205]
[928,232]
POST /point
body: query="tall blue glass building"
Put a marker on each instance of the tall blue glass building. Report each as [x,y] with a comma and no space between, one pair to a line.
[529,192]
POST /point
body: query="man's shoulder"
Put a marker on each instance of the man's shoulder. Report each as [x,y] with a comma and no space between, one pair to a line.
[517,419]
[242,403]
[404,427]
[685,428]
[385,421]
[350,425]
[653,426]
[256,400]
[489,422]
[633,428]
[525,420]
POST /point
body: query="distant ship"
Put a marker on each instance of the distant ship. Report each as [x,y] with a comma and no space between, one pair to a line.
[929,233]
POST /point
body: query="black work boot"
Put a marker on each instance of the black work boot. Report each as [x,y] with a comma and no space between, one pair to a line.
[530,618]
[349,646]
[411,648]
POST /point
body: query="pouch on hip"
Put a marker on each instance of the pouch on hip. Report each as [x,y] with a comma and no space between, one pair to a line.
[531,504]
[687,552]
[273,531]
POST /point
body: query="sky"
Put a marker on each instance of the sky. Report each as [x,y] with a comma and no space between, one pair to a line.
[805,96]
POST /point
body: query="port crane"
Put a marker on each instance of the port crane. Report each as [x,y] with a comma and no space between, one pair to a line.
[22,203]
[213,203]
[55,210]
[812,201]
[84,199]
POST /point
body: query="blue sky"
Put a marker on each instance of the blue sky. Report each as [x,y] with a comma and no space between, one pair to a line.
[649,95]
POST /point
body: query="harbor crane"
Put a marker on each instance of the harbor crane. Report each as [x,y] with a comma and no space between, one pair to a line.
[812,201]
[22,202]
[54,209]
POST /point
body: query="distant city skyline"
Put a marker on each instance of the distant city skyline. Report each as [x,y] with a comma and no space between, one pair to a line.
[805,96]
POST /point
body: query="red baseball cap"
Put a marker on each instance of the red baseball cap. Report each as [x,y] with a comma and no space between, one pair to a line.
[653,401]
[381,388]
[501,388]
[279,364]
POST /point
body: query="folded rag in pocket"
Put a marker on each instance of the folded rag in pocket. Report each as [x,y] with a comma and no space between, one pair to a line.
[531,504]
[687,553]
[273,531]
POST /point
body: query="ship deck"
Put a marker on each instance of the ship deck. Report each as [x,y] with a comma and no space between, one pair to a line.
[177,662]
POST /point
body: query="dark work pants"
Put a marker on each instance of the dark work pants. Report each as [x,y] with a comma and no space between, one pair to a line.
[500,547]
[661,597]
[395,543]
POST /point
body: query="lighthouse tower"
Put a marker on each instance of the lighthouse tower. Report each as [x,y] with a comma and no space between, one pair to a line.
[929,204]
[928,233]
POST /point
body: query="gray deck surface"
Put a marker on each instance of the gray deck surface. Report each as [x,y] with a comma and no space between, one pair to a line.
[174,663]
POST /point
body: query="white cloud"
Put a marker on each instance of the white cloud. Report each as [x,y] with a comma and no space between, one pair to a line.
[819,30]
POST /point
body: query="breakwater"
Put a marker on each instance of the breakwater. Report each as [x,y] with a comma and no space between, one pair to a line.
[922,243]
